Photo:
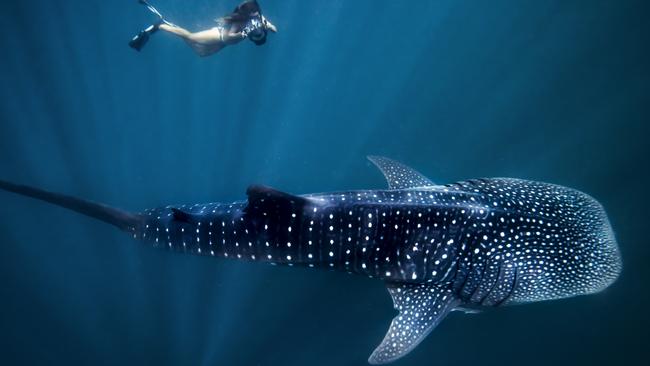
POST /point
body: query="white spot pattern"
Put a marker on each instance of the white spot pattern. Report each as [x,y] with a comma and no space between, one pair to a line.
[490,242]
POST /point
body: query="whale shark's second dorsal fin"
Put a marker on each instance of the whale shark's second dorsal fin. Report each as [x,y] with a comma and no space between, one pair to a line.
[421,308]
[271,201]
[398,175]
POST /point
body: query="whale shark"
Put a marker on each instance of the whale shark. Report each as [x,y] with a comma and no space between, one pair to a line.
[469,246]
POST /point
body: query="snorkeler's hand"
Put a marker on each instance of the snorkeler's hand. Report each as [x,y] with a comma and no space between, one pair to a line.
[236,36]
[271,27]
[242,34]
[268,25]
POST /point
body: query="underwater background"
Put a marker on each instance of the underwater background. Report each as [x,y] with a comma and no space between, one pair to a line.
[556,91]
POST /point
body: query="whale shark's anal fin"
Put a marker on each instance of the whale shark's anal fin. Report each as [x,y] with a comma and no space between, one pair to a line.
[398,175]
[268,201]
[421,308]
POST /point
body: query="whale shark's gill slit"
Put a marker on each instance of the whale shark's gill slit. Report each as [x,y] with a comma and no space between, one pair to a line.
[466,272]
[515,282]
[122,219]
[494,285]
[477,290]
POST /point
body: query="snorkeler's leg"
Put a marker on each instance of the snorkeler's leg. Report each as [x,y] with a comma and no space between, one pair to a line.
[202,43]
[209,36]
[173,29]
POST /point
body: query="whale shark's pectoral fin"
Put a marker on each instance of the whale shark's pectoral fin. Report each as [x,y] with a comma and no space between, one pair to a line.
[421,308]
[398,175]
[467,310]
[269,201]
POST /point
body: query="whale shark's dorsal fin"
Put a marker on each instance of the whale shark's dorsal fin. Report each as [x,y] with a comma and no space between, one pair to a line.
[398,175]
[180,215]
[271,201]
[421,308]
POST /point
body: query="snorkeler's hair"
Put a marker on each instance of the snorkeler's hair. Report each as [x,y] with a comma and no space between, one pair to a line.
[242,13]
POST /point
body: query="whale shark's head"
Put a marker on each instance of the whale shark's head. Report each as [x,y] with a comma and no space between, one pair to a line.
[604,263]
[590,259]
[562,241]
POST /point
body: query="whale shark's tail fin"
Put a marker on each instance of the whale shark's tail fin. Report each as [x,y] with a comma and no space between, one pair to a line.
[124,220]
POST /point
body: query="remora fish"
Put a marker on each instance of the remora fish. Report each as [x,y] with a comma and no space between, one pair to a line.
[467,245]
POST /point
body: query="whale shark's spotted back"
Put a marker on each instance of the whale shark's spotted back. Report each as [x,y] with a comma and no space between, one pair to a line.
[473,244]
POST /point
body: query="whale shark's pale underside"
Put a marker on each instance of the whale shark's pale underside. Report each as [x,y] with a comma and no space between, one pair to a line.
[467,245]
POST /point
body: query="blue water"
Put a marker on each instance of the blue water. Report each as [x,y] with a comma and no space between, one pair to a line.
[556,91]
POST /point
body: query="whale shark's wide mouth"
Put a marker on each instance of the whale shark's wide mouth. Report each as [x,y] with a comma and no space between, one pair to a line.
[612,255]
[605,258]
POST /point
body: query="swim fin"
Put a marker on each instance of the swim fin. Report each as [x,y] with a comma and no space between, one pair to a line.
[141,39]
[156,13]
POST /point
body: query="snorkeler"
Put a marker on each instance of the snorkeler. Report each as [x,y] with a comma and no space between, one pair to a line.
[246,21]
